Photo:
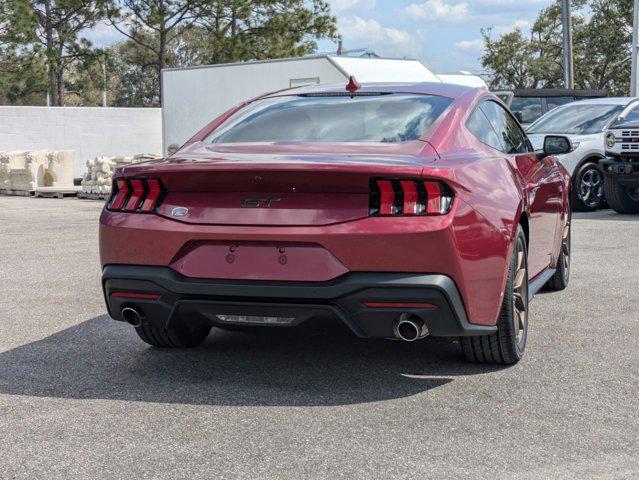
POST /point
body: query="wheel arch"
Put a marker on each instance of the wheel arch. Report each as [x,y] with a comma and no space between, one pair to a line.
[590,158]
[523,221]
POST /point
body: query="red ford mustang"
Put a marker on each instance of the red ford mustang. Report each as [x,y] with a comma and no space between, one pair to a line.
[402,210]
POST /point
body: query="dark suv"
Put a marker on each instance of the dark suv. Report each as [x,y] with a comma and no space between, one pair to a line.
[529,104]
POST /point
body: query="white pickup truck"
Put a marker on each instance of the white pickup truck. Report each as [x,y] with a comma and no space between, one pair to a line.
[621,165]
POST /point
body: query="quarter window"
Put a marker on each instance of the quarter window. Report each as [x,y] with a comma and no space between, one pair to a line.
[512,137]
[479,126]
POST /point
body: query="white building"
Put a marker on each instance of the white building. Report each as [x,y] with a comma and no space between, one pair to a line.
[89,131]
[192,97]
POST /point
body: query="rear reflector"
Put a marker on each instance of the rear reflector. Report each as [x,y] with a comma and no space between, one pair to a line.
[140,195]
[409,197]
[140,296]
[399,305]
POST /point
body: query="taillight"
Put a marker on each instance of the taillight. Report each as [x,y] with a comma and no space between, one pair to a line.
[139,195]
[409,197]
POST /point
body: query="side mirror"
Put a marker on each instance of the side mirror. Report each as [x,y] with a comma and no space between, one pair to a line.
[174,147]
[556,145]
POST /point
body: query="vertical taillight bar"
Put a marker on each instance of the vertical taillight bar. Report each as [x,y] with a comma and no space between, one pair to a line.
[387,197]
[411,196]
[434,192]
[137,192]
[154,192]
[119,195]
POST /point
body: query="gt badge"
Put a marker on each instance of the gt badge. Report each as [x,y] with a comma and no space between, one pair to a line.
[259,202]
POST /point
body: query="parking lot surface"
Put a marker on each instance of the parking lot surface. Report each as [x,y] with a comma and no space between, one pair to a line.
[82,397]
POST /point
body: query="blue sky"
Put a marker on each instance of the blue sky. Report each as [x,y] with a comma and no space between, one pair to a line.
[444,34]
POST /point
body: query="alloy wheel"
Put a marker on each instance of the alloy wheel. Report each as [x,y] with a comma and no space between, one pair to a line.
[633,193]
[591,187]
[520,296]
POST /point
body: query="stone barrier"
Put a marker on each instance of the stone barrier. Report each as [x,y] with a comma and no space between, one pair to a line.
[96,181]
[26,172]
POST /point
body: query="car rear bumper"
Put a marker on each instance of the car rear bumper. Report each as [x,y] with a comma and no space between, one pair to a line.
[368,303]
[625,172]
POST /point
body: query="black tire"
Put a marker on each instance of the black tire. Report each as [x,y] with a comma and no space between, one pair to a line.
[559,281]
[620,197]
[179,337]
[587,188]
[505,346]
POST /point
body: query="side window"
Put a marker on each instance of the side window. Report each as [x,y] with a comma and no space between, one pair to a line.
[512,137]
[554,102]
[479,126]
[528,107]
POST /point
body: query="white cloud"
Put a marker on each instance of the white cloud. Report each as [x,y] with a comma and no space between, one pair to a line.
[358,32]
[467,52]
[476,45]
[501,3]
[102,34]
[521,24]
[355,6]
[439,11]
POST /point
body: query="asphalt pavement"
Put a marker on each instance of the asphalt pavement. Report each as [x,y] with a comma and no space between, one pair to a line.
[82,397]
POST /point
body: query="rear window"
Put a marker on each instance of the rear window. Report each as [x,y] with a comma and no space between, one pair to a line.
[386,118]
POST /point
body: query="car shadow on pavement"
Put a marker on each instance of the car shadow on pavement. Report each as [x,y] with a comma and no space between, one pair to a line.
[606,215]
[103,359]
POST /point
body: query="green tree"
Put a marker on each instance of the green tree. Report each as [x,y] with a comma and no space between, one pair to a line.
[23,78]
[134,79]
[512,61]
[601,49]
[239,30]
[50,31]
[605,47]
[154,26]
[172,33]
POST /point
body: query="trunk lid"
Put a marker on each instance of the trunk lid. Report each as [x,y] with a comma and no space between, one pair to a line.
[276,184]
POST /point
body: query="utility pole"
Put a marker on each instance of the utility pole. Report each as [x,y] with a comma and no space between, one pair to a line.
[569,74]
[48,95]
[104,80]
[635,41]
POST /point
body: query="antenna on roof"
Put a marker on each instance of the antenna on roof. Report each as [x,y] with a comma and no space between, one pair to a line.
[353,86]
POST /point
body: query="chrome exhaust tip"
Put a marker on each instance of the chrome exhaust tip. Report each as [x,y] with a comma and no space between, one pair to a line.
[409,328]
[132,316]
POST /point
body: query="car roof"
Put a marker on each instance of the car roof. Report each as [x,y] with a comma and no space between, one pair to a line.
[449,90]
[558,92]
